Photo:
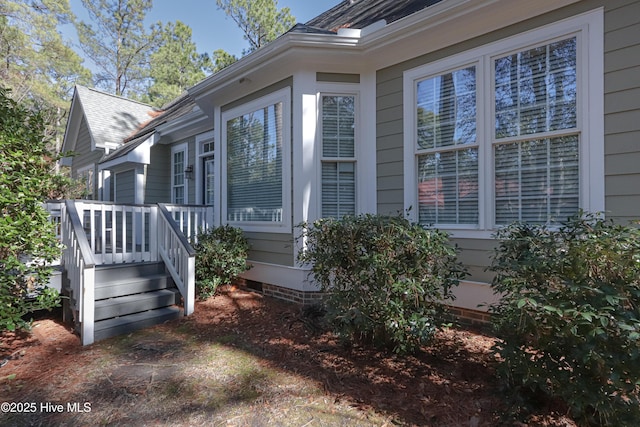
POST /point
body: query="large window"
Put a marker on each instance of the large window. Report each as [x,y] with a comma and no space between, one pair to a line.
[255,138]
[338,155]
[502,133]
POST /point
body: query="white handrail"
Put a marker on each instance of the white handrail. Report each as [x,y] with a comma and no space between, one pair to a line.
[178,255]
[80,269]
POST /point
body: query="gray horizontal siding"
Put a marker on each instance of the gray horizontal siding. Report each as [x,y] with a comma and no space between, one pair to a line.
[84,156]
[158,176]
[272,248]
[622,109]
[125,187]
[338,78]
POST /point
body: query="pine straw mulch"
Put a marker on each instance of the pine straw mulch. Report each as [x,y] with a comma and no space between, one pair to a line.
[450,383]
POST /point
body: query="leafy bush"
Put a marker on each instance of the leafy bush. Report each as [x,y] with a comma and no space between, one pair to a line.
[569,318]
[27,238]
[385,279]
[221,257]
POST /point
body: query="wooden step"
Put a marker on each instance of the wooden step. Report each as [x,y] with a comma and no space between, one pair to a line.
[130,304]
[125,324]
[133,285]
[125,271]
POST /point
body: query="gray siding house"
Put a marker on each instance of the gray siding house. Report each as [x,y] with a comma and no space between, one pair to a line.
[467,114]
[98,124]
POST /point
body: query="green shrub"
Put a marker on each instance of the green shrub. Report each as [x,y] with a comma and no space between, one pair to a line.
[221,257]
[569,317]
[28,243]
[385,279]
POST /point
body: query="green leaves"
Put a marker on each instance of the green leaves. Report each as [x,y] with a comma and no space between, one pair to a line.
[27,239]
[394,274]
[221,255]
[571,297]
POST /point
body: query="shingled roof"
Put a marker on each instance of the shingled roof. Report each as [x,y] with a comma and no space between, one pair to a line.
[180,106]
[362,13]
[111,118]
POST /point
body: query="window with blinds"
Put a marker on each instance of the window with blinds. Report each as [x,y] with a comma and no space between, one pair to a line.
[508,131]
[338,155]
[178,179]
[447,148]
[536,140]
[254,156]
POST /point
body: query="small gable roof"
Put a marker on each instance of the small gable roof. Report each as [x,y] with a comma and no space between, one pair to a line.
[177,108]
[110,118]
[362,13]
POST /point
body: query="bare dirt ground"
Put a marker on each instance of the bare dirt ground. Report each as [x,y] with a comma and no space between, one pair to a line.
[243,359]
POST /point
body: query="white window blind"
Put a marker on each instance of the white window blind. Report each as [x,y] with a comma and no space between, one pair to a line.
[446,149]
[338,155]
[537,179]
[254,165]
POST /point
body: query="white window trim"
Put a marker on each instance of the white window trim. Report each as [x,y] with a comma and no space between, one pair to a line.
[337,89]
[589,30]
[199,172]
[175,149]
[285,226]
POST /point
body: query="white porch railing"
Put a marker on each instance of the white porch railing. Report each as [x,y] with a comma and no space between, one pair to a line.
[191,219]
[79,264]
[119,233]
[99,233]
[179,257]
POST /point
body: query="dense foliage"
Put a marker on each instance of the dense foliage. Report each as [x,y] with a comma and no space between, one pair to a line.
[386,280]
[221,257]
[569,318]
[27,237]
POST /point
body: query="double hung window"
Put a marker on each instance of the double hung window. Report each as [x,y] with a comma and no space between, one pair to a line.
[501,133]
[178,178]
[338,168]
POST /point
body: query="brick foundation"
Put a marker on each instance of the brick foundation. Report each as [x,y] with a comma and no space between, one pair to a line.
[465,316]
[470,317]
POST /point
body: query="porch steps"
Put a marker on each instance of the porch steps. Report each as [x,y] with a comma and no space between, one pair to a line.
[131,297]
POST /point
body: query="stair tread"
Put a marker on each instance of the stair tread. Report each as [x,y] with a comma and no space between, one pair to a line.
[136,318]
[135,297]
[105,283]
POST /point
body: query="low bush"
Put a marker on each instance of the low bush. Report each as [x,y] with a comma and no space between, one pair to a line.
[385,279]
[221,255]
[569,317]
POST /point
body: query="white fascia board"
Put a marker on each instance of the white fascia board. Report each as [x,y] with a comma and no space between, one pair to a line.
[140,155]
[375,47]
[272,53]
[73,125]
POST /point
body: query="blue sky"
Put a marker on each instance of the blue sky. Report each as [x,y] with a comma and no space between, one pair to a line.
[211,28]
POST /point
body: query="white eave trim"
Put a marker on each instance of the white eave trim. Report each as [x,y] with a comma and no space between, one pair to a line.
[447,23]
[139,155]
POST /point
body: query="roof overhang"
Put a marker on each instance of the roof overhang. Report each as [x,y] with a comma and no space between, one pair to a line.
[372,48]
[190,124]
[139,155]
